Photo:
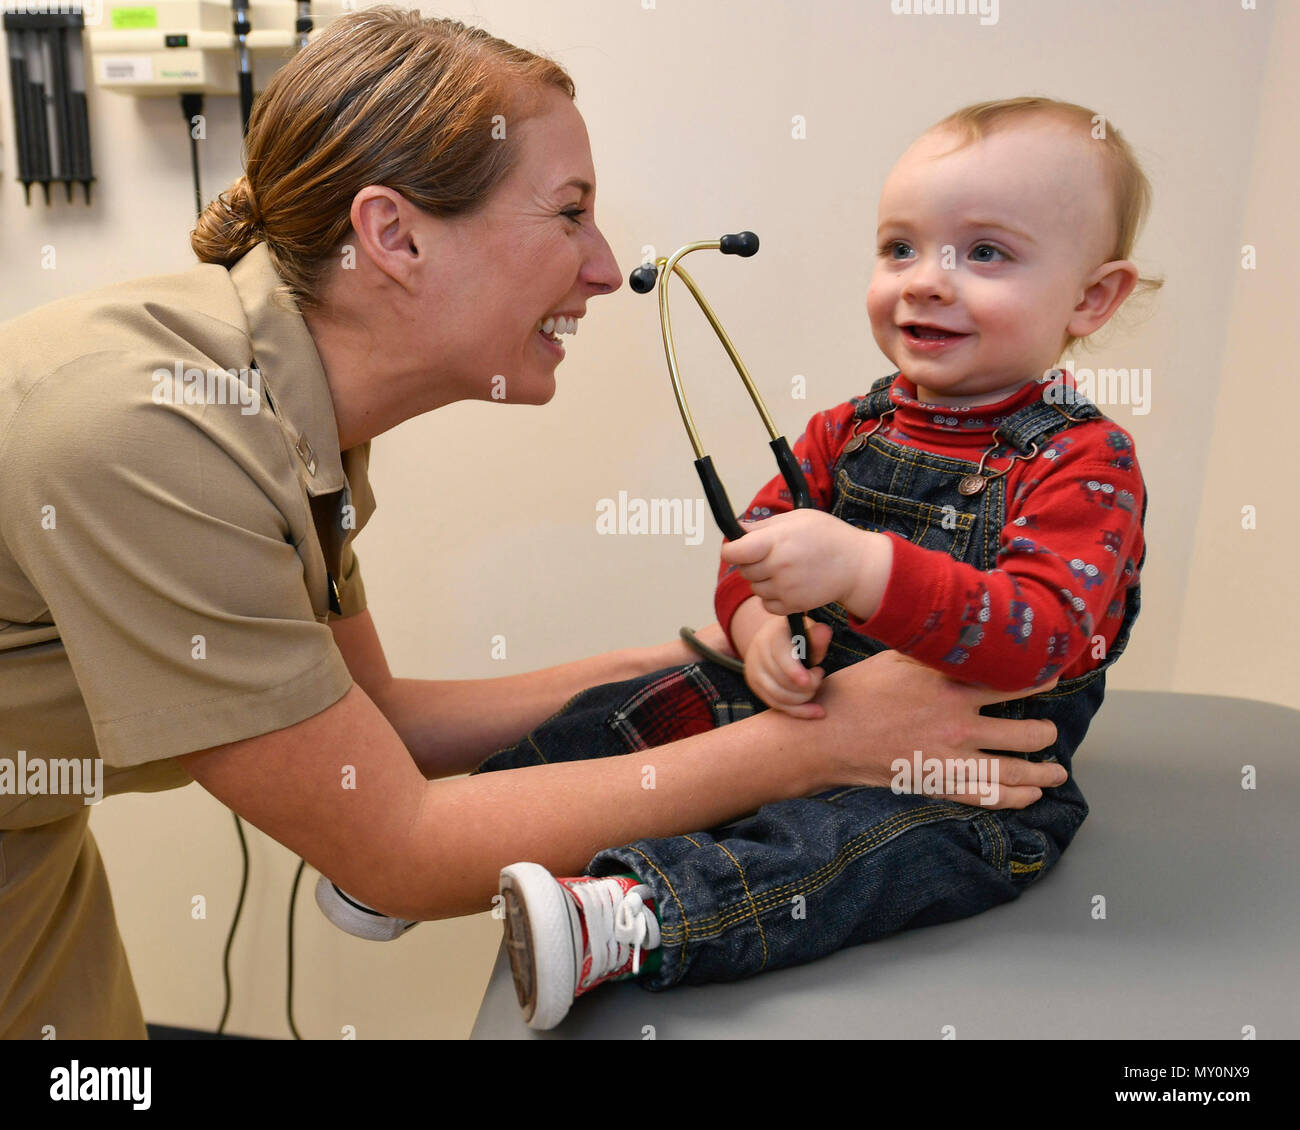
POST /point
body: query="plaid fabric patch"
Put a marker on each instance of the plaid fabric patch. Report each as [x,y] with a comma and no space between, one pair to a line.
[678,705]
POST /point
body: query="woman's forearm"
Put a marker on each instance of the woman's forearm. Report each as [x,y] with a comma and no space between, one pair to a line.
[561,815]
[450,725]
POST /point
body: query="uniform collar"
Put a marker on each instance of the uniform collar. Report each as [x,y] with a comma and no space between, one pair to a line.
[285,355]
[291,368]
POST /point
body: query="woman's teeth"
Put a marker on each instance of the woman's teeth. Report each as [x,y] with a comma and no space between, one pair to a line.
[554,326]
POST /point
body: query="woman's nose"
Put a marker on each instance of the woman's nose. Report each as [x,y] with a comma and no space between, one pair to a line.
[600,271]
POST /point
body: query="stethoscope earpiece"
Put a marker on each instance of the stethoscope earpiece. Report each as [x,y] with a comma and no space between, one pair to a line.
[642,280]
[743,243]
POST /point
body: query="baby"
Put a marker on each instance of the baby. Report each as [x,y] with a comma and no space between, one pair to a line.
[972,510]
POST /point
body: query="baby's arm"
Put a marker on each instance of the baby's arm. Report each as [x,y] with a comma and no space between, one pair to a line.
[773,672]
[815,452]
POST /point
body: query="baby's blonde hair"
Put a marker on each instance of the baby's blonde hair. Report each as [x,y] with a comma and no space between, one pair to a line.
[1131,191]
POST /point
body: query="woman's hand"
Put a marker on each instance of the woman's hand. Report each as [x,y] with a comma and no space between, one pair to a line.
[777,677]
[888,707]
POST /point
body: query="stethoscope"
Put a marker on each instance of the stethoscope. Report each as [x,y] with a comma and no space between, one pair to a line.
[642,280]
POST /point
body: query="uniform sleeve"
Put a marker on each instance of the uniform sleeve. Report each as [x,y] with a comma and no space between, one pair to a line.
[161,539]
[816,450]
[352,589]
[1074,530]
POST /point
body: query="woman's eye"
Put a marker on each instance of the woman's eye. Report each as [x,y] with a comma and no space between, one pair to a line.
[975,252]
[574,213]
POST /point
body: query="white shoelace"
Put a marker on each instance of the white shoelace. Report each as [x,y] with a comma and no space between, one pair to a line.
[616,922]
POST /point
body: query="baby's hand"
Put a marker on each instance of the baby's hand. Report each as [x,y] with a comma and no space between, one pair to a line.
[777,677]
[799,560]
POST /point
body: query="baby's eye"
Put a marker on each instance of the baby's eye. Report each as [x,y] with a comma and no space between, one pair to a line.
[975,251]
[886,248]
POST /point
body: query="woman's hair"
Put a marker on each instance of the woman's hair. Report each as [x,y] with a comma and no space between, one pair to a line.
[386,97]
[1130,189]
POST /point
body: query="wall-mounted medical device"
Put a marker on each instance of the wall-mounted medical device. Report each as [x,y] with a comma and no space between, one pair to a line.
[194,46]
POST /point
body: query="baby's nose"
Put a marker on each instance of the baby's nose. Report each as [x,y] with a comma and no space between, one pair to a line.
[928,278]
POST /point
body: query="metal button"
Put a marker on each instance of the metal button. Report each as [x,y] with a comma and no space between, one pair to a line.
[305,453]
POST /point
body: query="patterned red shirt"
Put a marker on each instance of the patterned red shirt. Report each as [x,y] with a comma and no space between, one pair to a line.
[1068,554]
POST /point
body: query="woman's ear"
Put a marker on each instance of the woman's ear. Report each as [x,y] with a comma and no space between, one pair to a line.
[388,232]
[1108,287]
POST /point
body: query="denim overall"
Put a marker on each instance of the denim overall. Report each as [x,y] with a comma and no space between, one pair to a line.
[802,878]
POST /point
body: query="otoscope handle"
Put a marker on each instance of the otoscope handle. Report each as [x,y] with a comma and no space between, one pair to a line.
[731,527]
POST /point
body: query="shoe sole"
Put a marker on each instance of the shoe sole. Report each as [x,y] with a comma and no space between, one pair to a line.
[539,941]
[356,918]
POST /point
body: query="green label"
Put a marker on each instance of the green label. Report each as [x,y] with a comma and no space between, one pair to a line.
[131,18]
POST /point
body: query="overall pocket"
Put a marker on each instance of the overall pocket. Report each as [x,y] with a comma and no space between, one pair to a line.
[944,528]
[679,704]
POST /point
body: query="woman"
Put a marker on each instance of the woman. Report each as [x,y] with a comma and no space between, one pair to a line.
[182,475]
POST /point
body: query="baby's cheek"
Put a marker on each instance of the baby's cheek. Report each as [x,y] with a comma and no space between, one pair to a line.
[879,304]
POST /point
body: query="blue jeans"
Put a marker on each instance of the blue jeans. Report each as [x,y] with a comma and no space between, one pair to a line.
[802,878]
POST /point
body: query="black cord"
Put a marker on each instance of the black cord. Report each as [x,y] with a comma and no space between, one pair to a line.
[730,662]
[192,107]
[293,899]
[239,906]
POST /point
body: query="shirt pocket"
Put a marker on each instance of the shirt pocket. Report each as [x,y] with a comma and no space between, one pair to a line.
[944,528]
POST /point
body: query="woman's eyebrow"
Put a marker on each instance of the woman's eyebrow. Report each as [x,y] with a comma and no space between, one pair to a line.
[577,182]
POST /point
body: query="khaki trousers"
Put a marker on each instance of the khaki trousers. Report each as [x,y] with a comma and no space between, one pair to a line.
[63,970]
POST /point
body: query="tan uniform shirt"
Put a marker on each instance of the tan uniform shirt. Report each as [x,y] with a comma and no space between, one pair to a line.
[173,509]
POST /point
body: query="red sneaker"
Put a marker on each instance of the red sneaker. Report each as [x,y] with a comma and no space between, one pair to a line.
[566,936]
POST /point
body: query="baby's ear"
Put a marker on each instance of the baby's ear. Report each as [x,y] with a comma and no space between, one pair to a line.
[1114,283]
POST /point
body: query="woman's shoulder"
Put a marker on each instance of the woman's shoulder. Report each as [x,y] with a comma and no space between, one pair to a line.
[155,319]
[153,375]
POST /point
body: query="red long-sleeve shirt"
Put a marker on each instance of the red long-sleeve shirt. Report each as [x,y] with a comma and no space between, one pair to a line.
[1068,554]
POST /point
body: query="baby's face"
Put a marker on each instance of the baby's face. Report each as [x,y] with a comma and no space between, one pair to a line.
[996,242]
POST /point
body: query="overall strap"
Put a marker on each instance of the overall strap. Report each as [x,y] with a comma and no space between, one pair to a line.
[876,401]
[1059,407]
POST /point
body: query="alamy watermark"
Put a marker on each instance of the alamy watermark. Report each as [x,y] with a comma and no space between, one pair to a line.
[987,10]
[53,776]
[683,517]
[936,776]
[1106,387]
[102,1084]
[183,384]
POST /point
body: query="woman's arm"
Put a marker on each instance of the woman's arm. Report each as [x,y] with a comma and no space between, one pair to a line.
[450,725]
[341,790]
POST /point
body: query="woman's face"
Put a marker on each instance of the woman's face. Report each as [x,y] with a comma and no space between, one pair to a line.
[531,252]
